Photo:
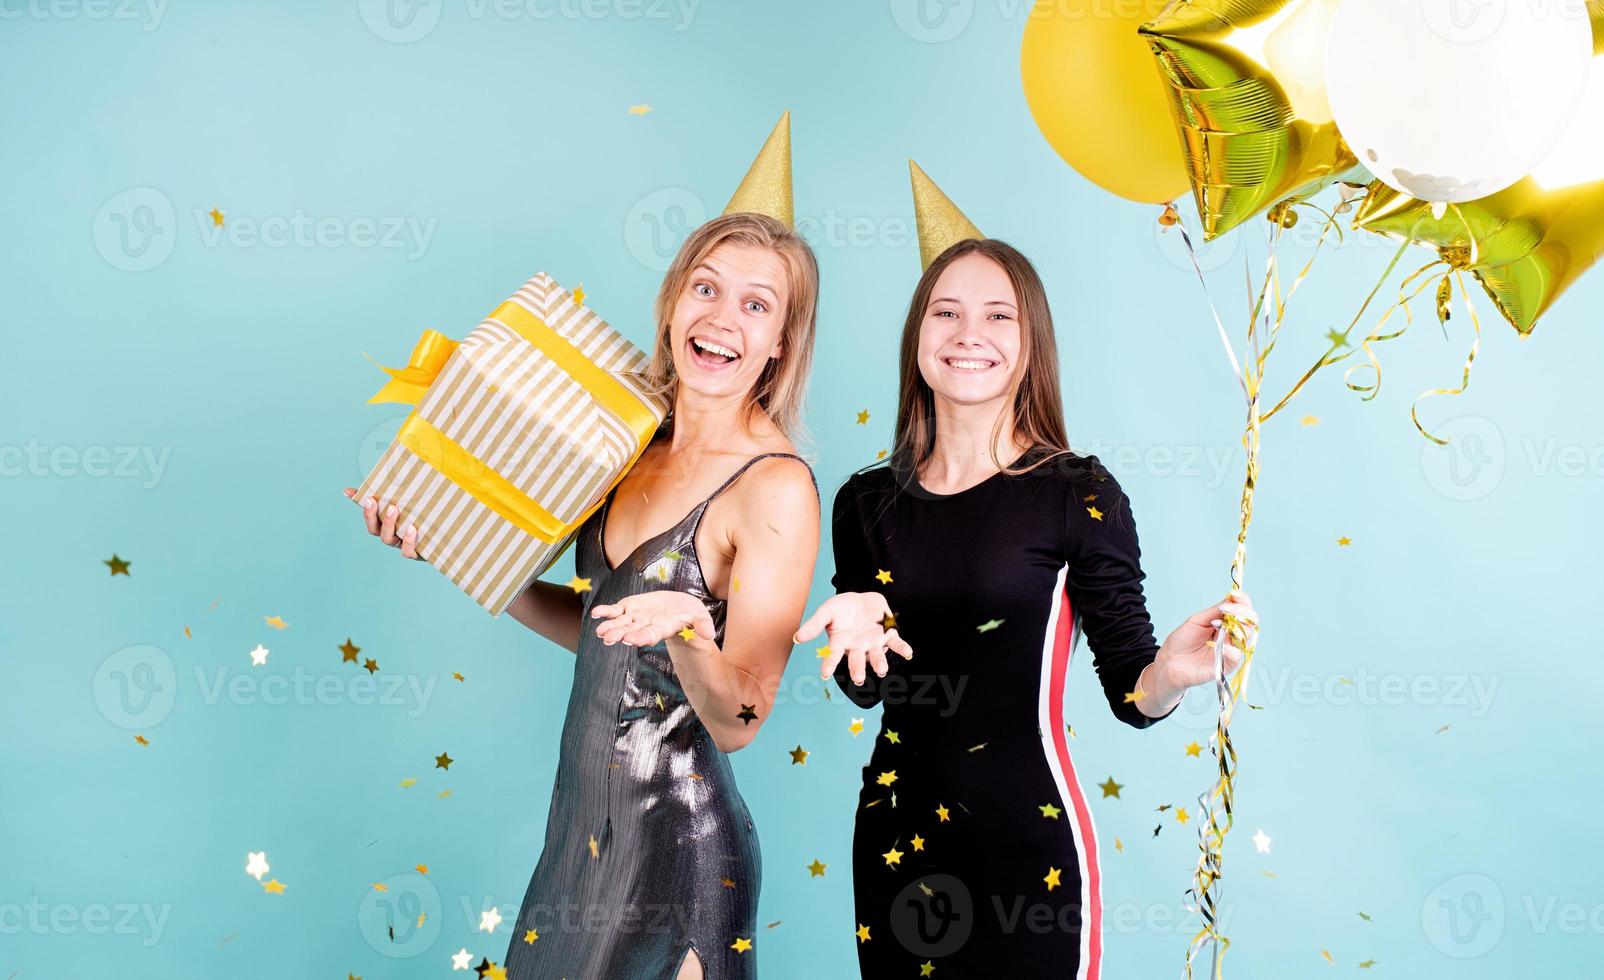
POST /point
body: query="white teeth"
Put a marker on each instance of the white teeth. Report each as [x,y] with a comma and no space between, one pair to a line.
[970,365]
[720,349]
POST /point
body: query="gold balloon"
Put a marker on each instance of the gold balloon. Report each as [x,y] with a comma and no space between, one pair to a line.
[1247,88]
[1531,242]
[1090,85]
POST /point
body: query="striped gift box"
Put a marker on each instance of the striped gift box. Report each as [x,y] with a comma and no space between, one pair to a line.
[520,432]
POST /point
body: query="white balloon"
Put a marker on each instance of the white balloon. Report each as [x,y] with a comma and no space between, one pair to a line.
[1453,100]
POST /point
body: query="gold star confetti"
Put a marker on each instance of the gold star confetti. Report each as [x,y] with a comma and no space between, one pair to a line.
[457,677]
[988,625]
[735,582]
[1366,917]
[887,778]
[142,740]
[824,652]
[892,856]
[816,869]
[1310,420]
[926,968]
[187,634]
[741,945]
[639,110]
[595,851]
[1366,964]
[530,936]
[348,651]
[408,782]
[579,585]
[1194,749]
[118,566]
[1327,954]
[380,886]
[1337,337]
[863,417]
[727,882]
[856,727]
[1181,815]
[496,972]
[1119,845]
[443,761]
[879,455]
[1052,877]
[442,794]
[862,933]
[1344,541]
[423,869]
[273,886]
[1049,811]
[1088,498]
[217,217]
[917,842]
[941,813]
[370,665]
[747,714]
[687,634]
[1096,514]
[893,737]
[1110,788]
[883,576]
[1133,696]
[579,294]
[660,705]
[277,622]
[888,621]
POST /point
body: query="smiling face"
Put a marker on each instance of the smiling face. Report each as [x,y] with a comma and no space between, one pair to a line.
[729,320]
[970,341]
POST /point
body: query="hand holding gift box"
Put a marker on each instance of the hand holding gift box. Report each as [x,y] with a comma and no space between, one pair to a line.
[520,432]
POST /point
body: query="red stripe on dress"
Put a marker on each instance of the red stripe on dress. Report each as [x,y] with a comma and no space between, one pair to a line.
[1092,915]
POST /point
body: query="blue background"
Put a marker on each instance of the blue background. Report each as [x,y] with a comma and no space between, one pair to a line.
[231,366]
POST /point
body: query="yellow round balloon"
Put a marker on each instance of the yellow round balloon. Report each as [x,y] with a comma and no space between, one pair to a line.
[1098,97]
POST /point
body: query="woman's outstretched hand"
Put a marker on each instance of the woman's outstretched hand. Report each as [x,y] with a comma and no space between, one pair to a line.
[651,617]
[859,630]
[380,518]
[1187,657]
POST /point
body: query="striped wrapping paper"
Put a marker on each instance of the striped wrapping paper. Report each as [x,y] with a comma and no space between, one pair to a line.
[518,413]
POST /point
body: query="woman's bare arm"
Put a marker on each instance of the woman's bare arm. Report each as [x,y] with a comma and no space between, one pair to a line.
[553,611]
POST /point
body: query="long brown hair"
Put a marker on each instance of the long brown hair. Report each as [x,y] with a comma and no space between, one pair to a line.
[780,387]
[1038,411]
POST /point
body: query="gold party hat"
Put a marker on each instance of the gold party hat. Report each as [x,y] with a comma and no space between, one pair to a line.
[767,186]
[941,224]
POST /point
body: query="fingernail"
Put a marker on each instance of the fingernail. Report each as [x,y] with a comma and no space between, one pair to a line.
[390,511]
[368,503]
[411,531]
[347,493]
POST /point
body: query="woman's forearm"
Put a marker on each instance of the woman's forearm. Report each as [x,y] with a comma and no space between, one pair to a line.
[732,703]
[553,611]
[1157,698]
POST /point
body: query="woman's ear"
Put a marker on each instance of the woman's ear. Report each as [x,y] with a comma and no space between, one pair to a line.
[777,350]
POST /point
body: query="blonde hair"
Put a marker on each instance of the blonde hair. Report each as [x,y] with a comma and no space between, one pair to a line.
[780,388]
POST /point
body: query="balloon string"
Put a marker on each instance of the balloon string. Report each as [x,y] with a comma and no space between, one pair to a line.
[1405,298]
[1475,323]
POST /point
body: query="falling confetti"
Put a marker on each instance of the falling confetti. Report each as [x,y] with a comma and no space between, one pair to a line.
[816,869]
[1261,840]
[856,727]
[579,585]
[489,919]
[256,864]
[741,945]
[1052,878]
[1094,513]
[1344,542]
[639,110]
[259,656]
[348,651]
[799,756]
[217,217]
[1311,420]
[277,622]
[118,566]
[883,576]
[863,417]
[142,740]
[443,761]
[1111,788]
[273,887]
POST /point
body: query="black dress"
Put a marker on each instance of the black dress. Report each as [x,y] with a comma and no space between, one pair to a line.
[650,851]
[974,849]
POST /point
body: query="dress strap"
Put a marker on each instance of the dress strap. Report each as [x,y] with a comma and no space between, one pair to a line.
[748,465]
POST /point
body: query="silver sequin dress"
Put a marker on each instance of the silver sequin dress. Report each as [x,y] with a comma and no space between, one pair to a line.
[650,850]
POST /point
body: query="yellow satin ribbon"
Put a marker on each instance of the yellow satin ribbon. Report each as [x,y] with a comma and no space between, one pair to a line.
[429,356]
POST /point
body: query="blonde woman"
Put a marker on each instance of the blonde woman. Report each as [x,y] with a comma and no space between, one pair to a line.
[699,566]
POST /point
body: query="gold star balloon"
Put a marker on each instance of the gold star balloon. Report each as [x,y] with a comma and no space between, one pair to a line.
[1246,82]
[1529,243]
